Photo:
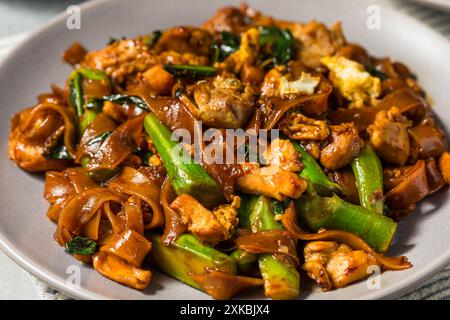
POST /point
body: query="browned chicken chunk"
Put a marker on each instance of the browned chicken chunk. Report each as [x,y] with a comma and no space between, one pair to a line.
[281,153]
[121,60]
[389,136]
[334,265]
[223,101]
[299,127]
[343,147]
[210,227]
[271,181]
[316,40]
[185,40]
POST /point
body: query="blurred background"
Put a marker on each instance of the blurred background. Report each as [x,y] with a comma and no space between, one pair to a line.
[18,18]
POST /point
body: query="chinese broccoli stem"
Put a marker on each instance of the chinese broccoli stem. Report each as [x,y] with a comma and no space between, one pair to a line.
[369,179]
[281,278]
[185,175]
[334,213]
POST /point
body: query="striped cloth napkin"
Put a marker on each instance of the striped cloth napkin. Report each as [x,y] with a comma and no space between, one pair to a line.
[436,288]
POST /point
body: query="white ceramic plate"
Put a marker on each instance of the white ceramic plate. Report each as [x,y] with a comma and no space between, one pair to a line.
[26,235]
[437,4]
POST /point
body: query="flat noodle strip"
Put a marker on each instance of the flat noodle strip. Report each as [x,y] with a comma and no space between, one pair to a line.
[173,226]
[132,182]
[271,241]
[389,263]
[82,207]
[313,104]
[70,132]
[133,215]
[224,286]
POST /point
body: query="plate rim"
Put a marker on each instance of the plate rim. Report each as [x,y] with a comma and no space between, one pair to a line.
[392,292]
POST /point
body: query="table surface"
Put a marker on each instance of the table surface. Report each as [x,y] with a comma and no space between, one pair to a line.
[17,17]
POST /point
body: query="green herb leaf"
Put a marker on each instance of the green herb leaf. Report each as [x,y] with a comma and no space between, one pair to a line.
[60,152]
[144,155]
[76,92]
[224,46]
[279,206]
[189,71]
[81,245]
[93,74]
[370,68]
[119,99]
[113,40]
[279,44]
[151,39]
[100,138]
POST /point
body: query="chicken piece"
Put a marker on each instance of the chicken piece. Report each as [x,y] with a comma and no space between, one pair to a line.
[185,40]
[354,83]
[121,60]
[334,265]
[210,227]
[276,84]
[74,54]
[389,136]
[229,19]
[223,101]
[444,166]
[236,19]
[159,80]
[271,181]
[282,153]
[247,53]
[316,40]
[299,127]
[119,270]
[173,57]
[343,146]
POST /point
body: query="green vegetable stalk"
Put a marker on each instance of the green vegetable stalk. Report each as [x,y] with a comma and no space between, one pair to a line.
[76,94]
[281,278]
[186,176]
[369,179]
[313,173]
[189,71]
[245,261]
[334,213]
[187,256]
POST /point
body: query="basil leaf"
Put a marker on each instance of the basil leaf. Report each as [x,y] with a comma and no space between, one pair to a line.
[119,99]
[370,68]
[81,245]
[227,44]
[189,71]
[100,138]
[279,42]
[93,74]
[60,152]
[151,39]
[144,155]
[279,206]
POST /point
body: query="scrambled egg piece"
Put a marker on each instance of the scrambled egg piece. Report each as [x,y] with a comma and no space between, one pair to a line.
[247,53]
[208,226]
[305,84]
[354,83]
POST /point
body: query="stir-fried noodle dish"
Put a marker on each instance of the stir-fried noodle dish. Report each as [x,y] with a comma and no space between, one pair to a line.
[237,154]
